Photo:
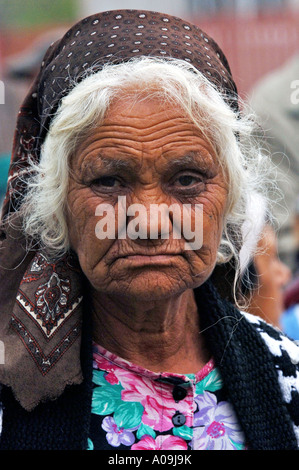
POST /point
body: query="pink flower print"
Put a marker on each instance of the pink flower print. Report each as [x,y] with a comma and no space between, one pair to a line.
[160,443]
[111,378]
[156,398]
[103,364]
[216,425]
[216,429]
[156,416]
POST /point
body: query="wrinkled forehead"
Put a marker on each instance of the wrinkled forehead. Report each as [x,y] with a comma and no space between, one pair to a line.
[135,135]
[117,36]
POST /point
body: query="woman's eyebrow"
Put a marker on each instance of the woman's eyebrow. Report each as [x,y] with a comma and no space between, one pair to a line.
[201,161]
[191,160]
[110,164]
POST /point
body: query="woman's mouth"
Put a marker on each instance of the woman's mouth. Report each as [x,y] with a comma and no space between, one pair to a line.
[142,260]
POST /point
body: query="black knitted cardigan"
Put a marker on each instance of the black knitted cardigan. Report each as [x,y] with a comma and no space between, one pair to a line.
[259,367]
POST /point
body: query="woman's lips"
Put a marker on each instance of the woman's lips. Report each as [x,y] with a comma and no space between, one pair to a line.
[141,260]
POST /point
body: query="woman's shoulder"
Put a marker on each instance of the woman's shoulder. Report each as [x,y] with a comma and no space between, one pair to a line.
[285,354]
[278,343]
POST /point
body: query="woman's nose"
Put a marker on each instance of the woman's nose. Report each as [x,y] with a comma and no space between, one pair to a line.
[148,221]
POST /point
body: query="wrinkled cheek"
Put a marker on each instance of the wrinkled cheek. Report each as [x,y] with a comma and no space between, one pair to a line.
[203,259]
[209,231]
[85,243]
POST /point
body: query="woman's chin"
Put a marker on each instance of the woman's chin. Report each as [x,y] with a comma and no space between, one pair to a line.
[149,285]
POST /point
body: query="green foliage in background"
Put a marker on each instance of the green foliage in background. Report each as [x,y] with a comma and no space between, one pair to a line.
[28,13]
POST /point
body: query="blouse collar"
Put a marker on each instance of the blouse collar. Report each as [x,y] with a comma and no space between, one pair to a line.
[101,356]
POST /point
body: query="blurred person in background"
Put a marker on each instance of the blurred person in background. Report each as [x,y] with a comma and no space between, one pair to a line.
[290,318]
[275,101]
[270,290]
[19,72]
[266,279]
[264,275]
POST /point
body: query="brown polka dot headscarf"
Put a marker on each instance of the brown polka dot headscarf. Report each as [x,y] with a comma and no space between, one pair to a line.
[120,35]
[115,36]
[39,339]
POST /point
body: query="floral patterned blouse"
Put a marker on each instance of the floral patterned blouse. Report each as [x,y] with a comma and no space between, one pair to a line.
[134,408]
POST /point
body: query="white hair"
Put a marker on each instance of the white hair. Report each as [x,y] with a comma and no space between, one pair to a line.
[86,105]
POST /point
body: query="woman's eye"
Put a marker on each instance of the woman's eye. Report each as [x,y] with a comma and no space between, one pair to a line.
[107,182]
[187,180]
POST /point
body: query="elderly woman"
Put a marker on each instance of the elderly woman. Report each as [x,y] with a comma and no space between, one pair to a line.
[118,328]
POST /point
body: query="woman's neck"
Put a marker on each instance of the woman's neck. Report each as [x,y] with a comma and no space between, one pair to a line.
[162,336]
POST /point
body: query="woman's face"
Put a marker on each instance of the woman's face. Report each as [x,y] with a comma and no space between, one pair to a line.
[149,154]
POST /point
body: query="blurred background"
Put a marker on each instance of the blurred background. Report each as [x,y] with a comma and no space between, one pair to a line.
[261,41]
